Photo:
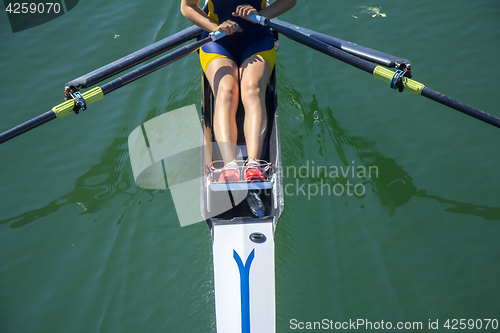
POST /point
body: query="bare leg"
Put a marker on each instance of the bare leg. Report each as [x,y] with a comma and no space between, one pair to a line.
[222,74]
[254,73]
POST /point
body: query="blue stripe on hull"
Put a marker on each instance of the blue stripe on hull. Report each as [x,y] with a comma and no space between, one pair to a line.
[245,289]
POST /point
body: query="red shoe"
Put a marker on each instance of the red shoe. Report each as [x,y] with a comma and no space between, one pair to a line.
[230,173]
[253,171]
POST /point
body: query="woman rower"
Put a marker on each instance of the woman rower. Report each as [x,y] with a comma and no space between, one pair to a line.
[242,60]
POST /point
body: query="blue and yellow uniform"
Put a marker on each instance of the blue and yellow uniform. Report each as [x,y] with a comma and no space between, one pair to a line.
[254,40]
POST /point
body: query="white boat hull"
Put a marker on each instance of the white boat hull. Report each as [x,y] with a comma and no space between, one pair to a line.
[244,277]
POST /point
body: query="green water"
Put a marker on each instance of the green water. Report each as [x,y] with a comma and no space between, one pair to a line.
[83,249]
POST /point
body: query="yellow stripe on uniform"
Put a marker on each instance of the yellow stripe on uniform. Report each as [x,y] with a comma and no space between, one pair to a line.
[269,56]
[211,12]
[207,58]
[66,108]
[410,85]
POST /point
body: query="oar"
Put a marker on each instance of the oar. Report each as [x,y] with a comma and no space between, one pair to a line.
[359,51]
[80,101]
[133,59]
[396,79]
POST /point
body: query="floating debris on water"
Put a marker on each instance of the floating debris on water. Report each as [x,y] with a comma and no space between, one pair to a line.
[81,204]
[116,36]
[374,11]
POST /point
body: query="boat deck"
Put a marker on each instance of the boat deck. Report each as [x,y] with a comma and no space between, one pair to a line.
[242,244]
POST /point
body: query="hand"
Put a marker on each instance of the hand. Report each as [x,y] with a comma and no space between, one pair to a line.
[229,27]
[244,11]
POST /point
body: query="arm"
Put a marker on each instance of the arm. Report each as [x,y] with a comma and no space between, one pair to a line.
[275,9]
[191,11]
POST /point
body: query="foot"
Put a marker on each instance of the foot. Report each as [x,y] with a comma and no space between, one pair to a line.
[253,171]
[230,173]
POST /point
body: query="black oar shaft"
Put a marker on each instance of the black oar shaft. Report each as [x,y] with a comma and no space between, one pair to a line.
[154,66]
[97,93]
[135,58]
[459,106]
[302,38]
[359,51]
[294,33]
[30,124]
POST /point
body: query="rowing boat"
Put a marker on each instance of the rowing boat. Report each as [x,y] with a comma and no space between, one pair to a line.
[243,244]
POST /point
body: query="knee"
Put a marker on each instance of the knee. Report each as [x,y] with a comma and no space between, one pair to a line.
[227,93]
[251,92]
